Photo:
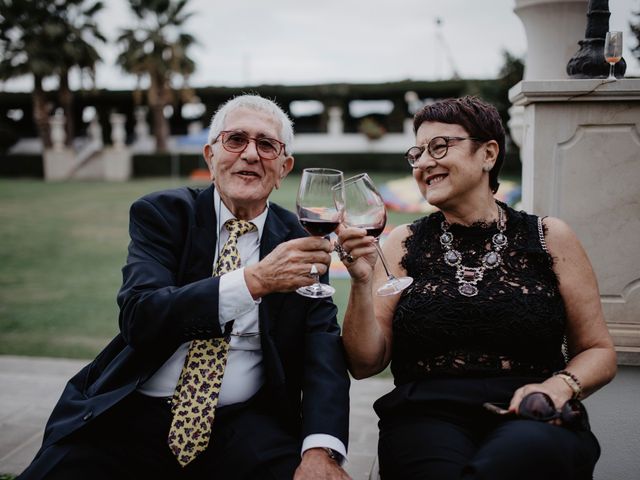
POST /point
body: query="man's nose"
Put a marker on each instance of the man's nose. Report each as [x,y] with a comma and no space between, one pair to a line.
[250,153]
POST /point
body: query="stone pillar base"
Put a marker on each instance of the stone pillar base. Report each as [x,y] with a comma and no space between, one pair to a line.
[581,162]
[117,164]
[58,164]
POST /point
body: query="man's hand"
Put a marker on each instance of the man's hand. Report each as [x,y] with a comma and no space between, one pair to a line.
[287,267]
[317,465]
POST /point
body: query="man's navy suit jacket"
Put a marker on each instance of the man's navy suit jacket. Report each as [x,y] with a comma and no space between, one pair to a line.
[169,296]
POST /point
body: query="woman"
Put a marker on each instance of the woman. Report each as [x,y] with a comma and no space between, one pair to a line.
[495,293]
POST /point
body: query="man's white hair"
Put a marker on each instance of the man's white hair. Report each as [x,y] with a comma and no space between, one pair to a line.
[257,103]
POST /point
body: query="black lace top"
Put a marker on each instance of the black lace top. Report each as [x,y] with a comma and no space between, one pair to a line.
[513,326]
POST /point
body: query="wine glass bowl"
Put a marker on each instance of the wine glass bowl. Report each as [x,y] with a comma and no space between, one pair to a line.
[319,214]
[363,207]
[612,51]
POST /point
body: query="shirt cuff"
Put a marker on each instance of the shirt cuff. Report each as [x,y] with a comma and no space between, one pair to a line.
[322,440]
[234,299]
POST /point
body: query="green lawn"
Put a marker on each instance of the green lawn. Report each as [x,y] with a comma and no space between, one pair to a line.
[62,246]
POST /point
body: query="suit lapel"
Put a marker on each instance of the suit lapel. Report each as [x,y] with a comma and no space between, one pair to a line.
[275,231]
[203,238]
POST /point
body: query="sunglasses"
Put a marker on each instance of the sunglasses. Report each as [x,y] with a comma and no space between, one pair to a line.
[539,406]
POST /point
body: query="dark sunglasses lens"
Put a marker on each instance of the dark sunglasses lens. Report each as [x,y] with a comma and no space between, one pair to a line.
[574,415]
[537,406]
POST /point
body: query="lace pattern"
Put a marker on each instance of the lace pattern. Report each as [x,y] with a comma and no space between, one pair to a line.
[514,326]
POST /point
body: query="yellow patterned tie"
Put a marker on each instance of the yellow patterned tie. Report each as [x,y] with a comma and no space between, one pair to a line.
[196,396]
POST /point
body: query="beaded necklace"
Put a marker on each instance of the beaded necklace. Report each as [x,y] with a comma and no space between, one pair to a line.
[468,277]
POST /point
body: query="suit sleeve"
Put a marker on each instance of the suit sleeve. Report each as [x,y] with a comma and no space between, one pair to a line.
[325,400]
[156,312]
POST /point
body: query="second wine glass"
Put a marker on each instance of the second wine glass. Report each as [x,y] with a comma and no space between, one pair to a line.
[364,207]
[318,214]
[612,51]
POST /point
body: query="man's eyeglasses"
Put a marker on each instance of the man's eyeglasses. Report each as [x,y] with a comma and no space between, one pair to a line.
[437,148]
[539,406]
[237,142]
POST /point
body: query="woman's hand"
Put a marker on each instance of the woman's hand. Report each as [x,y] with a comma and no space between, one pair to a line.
[555,387]
[360,254]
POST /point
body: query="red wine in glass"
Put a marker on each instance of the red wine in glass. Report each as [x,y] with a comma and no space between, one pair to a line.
[319,228]
[374,231]
[363,207]
[318,214]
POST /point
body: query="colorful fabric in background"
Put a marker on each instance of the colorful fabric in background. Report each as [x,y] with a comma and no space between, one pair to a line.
[402,195]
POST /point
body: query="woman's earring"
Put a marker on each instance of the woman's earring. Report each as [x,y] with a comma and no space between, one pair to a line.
[487,168]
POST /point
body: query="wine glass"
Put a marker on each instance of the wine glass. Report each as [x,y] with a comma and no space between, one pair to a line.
[612,51]
[364,208]
[319,214]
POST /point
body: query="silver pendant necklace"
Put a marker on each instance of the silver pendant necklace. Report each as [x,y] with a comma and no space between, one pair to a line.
[468,277]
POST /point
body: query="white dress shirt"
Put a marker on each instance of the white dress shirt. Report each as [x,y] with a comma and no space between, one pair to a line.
[244,372]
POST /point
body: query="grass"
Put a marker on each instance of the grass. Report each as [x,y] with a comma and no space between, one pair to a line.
[61,250]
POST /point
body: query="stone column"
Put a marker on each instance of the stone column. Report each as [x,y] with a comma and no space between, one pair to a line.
[117,158]
[553,29]
[335,126]
[94,132]
[581,162]
[144,141]
[58,133]
[118,132]
[59,160]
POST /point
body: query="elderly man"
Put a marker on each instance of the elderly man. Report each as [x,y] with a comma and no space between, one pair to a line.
[220,369]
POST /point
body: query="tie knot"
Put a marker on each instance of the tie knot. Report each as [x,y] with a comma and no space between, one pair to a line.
[237,227]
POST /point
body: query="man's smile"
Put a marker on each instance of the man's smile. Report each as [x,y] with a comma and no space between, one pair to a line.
[247,173]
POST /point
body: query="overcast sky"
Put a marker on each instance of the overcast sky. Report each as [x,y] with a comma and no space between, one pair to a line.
[252,42]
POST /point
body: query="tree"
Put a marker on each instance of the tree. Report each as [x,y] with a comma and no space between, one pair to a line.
[635,29]
[27,48]
[155,50]
[79,33]
[45,39]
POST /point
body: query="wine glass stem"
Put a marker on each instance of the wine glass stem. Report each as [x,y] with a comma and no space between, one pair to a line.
[382,259]
[611,66]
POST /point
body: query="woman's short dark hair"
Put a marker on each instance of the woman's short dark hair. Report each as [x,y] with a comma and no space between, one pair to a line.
[478,118]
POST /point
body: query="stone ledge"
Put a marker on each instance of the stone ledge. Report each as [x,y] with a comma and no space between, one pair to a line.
[575,90]
[628,356]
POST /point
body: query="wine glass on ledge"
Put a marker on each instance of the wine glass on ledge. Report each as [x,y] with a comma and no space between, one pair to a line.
[318,214]
[612,51]
[364,207]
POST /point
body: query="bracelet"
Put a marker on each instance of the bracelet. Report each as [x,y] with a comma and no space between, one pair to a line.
[572,381]
[333,455]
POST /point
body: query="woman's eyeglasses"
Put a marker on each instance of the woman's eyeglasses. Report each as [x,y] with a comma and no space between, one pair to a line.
[237,142]
[437,148]
[539,406]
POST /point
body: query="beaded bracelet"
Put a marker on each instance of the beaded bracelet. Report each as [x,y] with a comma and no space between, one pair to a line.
[571,380]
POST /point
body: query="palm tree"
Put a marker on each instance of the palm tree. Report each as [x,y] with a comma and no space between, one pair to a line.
[46,39]
[155,50]
[27,48]
[78,35]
